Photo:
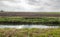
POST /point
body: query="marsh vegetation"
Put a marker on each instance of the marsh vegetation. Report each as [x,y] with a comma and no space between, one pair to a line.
[22,20]
[32,32]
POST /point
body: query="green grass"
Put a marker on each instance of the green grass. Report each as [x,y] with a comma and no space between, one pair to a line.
[42,20]
[46,12]
[33,32]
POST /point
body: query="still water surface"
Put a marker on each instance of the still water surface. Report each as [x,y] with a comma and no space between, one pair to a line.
[27,26]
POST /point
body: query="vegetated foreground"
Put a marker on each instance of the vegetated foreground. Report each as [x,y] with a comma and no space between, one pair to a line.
[33,32]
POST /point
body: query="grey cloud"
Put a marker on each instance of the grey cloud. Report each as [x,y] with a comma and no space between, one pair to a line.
[34,2]
[32,5]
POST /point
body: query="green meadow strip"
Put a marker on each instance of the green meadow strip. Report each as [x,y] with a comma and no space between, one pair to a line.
[43,20]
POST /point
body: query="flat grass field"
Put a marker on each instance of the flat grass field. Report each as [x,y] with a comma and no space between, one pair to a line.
[31,14]
[33,32]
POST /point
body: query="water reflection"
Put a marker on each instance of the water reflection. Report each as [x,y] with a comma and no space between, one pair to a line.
[27,26]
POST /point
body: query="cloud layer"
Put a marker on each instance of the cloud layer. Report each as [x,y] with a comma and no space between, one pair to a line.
[30,5]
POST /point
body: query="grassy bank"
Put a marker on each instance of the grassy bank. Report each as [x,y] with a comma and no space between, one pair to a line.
[34,32]
[21,20]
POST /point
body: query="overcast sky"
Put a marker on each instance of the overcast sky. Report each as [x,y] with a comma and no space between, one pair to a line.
[30,5]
